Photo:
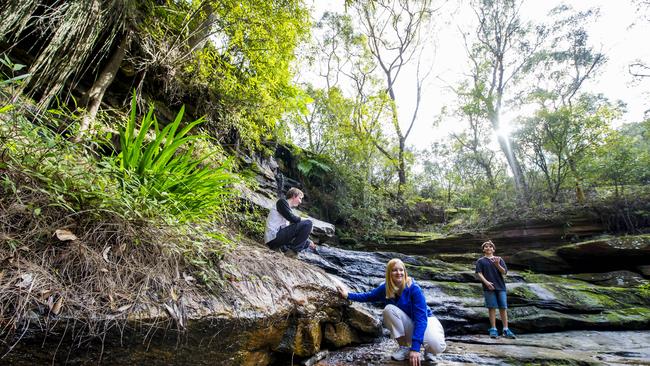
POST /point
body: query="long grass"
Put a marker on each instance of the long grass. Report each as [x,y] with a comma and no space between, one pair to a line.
[167,168]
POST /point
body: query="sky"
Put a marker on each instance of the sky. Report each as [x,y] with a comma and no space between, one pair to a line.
[620,32]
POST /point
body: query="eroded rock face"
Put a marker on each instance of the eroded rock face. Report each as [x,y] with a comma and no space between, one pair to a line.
[538,302]
[601,255]
[340,334]
[270,306]
[510,237]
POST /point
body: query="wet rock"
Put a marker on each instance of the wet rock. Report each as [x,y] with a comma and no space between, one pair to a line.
[363,320]
[608,254]
[617,278]
[340,334]
[510,237]
[644,270]
[566,348]
[544,261]
[315,358]
[308,338]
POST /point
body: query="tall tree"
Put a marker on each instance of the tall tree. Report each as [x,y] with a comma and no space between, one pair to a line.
[349,109]
[563,68]
[474,140]
[560,139]
[393,28]
[503,47]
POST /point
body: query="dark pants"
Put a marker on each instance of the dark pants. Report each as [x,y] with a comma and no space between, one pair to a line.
[294,236]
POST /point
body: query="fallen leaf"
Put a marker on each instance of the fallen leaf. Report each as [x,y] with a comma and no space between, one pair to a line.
[189,279]
[124,308]
[65,235]
[174,295]
[56,309]
[105,254]
[26,280]
[45,294]
[171,311]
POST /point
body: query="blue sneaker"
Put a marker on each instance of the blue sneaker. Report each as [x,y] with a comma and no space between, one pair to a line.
[509,334]
[493,332]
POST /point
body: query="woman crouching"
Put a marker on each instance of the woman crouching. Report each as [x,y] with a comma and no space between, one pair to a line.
[406,314]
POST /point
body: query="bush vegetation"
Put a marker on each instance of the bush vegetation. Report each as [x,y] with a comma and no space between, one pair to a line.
[122,224]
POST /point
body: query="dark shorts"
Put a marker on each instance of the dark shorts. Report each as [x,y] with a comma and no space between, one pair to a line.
[495,299]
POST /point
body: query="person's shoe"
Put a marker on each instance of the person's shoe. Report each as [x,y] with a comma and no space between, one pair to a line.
[430,357]
[509,334]
[493,332]
[291,253]
[401,354]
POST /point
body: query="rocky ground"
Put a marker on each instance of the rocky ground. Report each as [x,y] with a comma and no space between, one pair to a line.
[277,310]
[561,318]
[562,348]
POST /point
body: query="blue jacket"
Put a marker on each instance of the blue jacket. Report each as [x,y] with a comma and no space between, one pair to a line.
[411,301]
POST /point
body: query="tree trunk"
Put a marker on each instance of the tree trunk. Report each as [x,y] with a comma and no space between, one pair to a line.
[401,169]
[580,195]
[515,167]
[103,81]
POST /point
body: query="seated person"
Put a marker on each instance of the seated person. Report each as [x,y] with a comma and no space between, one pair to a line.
[286,231]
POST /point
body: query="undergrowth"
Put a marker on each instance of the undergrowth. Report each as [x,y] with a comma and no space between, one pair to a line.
[98,238]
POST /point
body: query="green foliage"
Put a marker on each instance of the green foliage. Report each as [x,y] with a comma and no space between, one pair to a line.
[11,77]
[309,167]
[166,169]
[644,290]
[244,73]
[623,159]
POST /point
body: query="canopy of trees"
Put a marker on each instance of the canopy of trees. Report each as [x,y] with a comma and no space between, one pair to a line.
[265,70]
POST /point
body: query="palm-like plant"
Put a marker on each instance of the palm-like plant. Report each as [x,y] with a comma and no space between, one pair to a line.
[167,170]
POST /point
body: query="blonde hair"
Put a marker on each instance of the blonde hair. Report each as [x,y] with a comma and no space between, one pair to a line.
[392,288]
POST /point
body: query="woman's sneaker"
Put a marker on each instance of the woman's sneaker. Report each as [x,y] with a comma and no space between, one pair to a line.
[493,332]
[509,334]
[430,357]
[401,354]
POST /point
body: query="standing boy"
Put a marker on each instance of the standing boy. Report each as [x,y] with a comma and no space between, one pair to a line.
[490,269]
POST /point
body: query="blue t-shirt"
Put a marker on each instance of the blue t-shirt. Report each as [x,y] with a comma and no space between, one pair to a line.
[411,301]
[491,273]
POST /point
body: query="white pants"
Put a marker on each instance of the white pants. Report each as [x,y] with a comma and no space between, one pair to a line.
[401,325]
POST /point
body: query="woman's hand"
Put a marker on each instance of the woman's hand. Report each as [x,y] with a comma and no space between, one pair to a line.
[342,291]
[414,358]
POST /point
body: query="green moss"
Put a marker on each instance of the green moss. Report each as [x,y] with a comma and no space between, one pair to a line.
[533,277]
[437,267]
[466,290]
[639,316]
[523,291]
[410,237]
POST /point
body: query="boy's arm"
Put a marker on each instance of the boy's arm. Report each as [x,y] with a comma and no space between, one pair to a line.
[500,264]
[283,208]
[487,283]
